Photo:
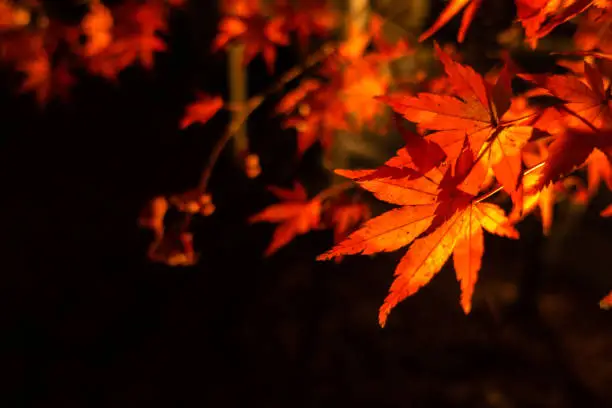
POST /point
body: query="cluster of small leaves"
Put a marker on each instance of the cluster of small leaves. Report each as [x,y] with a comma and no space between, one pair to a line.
[480,136]
[48,51]
[338,96]
[475,136]
[341,96]
[297,214]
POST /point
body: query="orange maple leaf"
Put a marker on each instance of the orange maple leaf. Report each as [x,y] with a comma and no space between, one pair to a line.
[584,98]
[606,302]
[315,111]
[599,169]
[462,236]
[314,17]
[13,17]
[132,36]
[296,215]
[440,213]
[582,123]
[97,25]
[540,17]
[543,198]
[258,33]
[594,31]
[563,13]
[569,151]
[45,80]
[451,10]
[476,109]
[362,80]
[202,110]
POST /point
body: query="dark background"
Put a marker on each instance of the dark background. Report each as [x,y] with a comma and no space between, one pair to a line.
[87,321]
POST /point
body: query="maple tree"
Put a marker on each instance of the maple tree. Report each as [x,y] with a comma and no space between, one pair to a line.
[468,136]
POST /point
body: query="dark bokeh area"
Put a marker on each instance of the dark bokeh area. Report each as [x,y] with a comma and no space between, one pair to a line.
[88,321]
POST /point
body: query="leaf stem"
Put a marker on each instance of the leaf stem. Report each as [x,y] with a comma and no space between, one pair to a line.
[579,117]
[500,187]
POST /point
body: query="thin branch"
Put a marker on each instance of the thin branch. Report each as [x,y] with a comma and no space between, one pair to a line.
[253,103]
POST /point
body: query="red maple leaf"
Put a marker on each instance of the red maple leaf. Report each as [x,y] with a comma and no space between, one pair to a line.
[477,110]
[200,111]
[583,122]
[439,214]
[311,18]
[606,302]
[295,215]
[256,32]
[451,10]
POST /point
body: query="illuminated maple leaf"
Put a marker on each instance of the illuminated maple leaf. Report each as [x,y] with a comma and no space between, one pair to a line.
[567,152]
[439,213]
[607,212]
[476,109]
[535,197]
[256,32]
[295,215]
[316,112]
[540,17]
[594,30]
[606,302]
[44,80]
[585,98]
[134,34]
[201,110]
[584,119]
[293,98]
[311,18]
[451,10]
[12,16]
[362,82]
[97,25]
[598,169]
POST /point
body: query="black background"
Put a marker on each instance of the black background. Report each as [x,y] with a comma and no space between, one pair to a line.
[87,321]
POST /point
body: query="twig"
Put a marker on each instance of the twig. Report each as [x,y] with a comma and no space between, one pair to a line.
[252,104]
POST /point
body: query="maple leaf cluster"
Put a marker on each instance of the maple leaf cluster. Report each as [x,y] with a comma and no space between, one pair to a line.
[468,136]
[476,137]
[342,97]
[107,40]
[261,29]
[297,214]
[478,134]
[538,17]
[338,97]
